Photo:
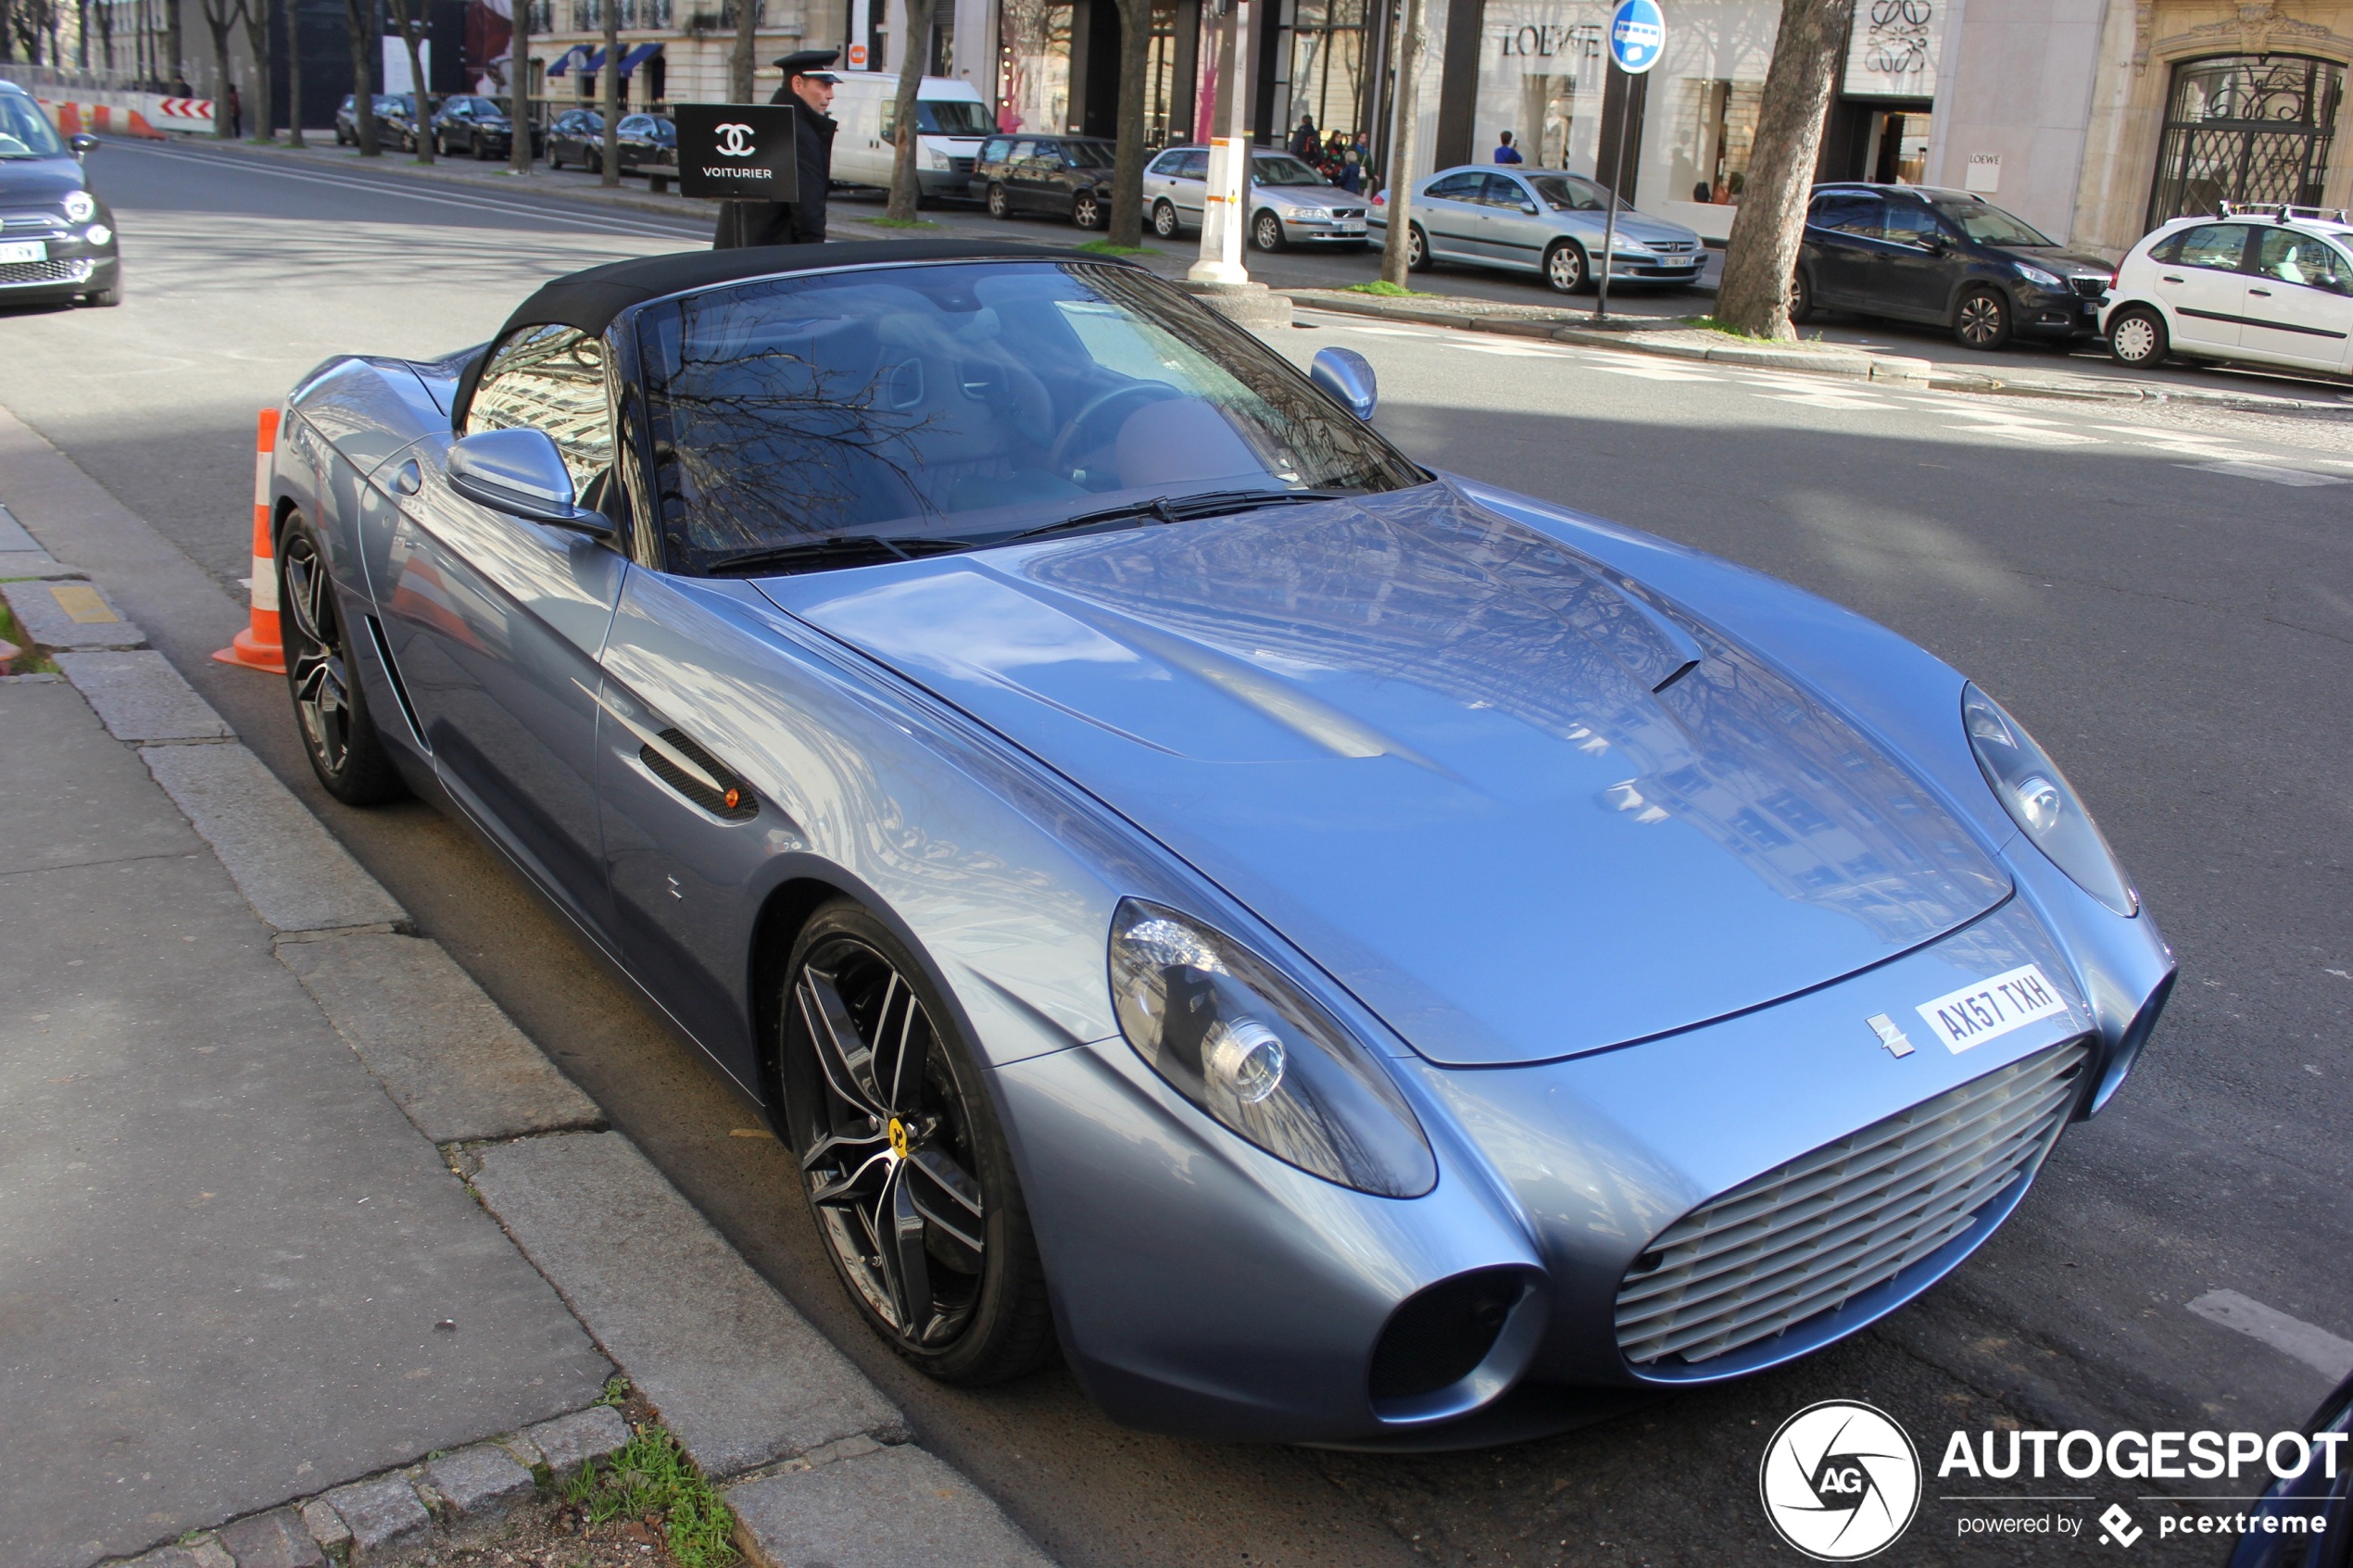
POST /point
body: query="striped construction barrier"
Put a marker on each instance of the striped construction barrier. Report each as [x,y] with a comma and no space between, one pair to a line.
[260,645]
[128,114]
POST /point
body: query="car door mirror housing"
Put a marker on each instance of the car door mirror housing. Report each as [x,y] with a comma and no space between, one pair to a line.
[521,472]
[81,142]
[1347,376]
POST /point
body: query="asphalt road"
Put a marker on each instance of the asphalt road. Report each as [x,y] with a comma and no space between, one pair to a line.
[2165,596]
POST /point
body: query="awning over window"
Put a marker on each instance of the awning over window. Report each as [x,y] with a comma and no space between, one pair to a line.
[570,60]
[637,56]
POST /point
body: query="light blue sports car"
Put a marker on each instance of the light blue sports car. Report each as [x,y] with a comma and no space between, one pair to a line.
[1345,954]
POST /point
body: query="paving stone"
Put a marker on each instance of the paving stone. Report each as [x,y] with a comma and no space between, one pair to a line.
[166,1557]
[33,563]
[140,696]
[56,617]
[741,1377]
[384,1515]
[448,1056]
[526,1452]
[13,537]
[275,1539]
[326,1527]
[569,1441]
[210,1553]
[481,1482]
[895,1508]
[283,860]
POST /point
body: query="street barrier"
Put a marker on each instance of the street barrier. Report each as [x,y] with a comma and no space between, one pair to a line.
[259,646]
[110,112]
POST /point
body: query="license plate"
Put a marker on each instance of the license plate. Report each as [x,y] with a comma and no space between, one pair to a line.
[24,250]
[1990,1008]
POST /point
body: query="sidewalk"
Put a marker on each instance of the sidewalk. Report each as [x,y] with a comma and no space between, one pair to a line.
[307,1253]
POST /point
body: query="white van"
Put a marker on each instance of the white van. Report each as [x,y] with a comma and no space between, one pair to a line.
[950,119]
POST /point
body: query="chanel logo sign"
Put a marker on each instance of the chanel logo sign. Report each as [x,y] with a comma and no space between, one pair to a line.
[735,141]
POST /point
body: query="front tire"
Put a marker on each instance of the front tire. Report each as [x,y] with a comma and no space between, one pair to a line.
[1266,232]
[1565,267]
[1983,321]
[1416,249]
[904,1166]
[1086,211]
[1164,220]
[331,710]
[1801,299]
[2137,339]
[998,206]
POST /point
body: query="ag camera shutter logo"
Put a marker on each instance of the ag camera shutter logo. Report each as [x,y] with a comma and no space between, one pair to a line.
[1840,1481]
[734,140]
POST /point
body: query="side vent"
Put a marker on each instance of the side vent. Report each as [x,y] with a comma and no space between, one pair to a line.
[400,687]
[700,777]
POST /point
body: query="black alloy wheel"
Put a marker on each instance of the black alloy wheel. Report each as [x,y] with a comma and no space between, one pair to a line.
[905,1170]
[331,710]
[2137,339]
[1266,232]
[1983,321]
[482,150]
[1800,298]
[1416,249]
[998,205]
[1164,220]
[1565,267]
[1087,211]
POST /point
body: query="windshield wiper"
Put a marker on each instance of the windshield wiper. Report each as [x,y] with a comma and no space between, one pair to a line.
[842,549]
[1176,508]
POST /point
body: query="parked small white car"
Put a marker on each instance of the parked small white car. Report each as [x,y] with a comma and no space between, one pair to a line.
[2269,286]
[950,119]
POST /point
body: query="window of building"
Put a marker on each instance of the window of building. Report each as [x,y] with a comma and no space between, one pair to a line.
[1032,65]
[1715,134]
[2246,128]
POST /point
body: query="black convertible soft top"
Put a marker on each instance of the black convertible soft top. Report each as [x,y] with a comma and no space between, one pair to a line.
[589,300]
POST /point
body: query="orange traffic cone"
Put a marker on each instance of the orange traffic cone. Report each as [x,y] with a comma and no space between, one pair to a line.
[258,646]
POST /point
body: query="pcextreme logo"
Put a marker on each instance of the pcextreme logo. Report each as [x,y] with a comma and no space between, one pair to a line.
[1841,1481]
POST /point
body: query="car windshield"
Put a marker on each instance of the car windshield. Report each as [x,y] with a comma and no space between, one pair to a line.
[1989,225]
[947,406]
[952,116]
[24,130]
[1282,168]
[1572,192]
[1089,155]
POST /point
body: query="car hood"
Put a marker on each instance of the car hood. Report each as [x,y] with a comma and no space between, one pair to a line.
[38,181]
[1311,195]
[2052,259]
[1522,808]
[1631,226]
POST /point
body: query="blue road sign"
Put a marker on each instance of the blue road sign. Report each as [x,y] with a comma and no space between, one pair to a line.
[1637,36]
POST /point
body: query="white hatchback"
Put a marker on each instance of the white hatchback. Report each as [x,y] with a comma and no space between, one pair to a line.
[2272,286]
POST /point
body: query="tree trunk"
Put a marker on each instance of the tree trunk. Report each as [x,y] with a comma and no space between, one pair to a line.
[609,98]
[906,189]
[519,88]
[1127,156]
[294,71]
[419,100]
[1761,257]
[175,43]
[356,15]
[220,16]
[258,44]
[746,49]
[1400,147]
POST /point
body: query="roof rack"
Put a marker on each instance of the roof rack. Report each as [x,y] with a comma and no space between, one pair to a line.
[2281,211]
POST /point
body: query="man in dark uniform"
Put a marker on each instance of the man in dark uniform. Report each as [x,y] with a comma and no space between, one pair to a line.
[809,88]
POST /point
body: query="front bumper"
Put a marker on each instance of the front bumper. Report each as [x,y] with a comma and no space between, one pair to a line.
[2055,313]
[1204,1288]
[1324,230]
[73,267]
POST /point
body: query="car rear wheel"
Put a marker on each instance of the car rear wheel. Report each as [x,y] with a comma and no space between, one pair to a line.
[1565,267]
[2137,339]
[1983,320]
[904,1165]
[1164,220]
[1416,249]
[998,205]
[331,710]
[1800,298]
[1087,211]
[1266,232]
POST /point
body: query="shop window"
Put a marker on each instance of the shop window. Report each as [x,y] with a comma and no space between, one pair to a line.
[1534,55]
[2246,128]
[1033,68]
[1716,133]
[1328,52]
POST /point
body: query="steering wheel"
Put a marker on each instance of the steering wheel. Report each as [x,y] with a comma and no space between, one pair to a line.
[1058,456]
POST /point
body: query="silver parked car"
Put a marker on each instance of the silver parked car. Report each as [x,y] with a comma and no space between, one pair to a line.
[1290,202]
[1543,221]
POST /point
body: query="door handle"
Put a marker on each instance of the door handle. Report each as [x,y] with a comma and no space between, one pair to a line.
[2171,279]
[2260,293]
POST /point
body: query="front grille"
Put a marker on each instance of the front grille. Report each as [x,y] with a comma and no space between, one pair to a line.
[1675,246]
[2090,288]
[45,223]
[1853,1214]
[20,272]
[960,166]
[1348,212]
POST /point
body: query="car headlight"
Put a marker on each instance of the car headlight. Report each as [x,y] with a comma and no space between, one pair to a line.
[1236,1039]
[2040,801]
[2036,276]
[98,234]
[80,208]
[1310,214]
[935,158]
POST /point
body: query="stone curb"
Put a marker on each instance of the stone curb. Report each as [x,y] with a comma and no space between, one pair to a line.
[1834,362]
[69,617]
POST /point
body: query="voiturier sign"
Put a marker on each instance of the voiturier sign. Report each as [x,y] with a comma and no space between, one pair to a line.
[737,151]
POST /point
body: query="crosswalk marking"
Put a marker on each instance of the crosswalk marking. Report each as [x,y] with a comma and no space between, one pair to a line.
[2302,479]
[1515,350]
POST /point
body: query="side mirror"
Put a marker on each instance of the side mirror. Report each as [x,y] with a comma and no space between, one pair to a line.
[1529,208]
[1348,376]
[520,472]
[81,142]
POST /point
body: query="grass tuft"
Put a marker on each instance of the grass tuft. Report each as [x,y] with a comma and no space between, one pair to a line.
[616,1391]
[901,222]
[1104,247]
[26,662]
[652,1475]
[1383,289]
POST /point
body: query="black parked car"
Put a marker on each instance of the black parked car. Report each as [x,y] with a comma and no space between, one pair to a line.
[393,113]
[578,136]
[56,237]
[466,123]
[1068,176]
[1945,259]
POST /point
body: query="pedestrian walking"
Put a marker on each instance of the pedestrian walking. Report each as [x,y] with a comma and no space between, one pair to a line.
[809,88]
[1505,151]
[1303,140]
[236,115]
